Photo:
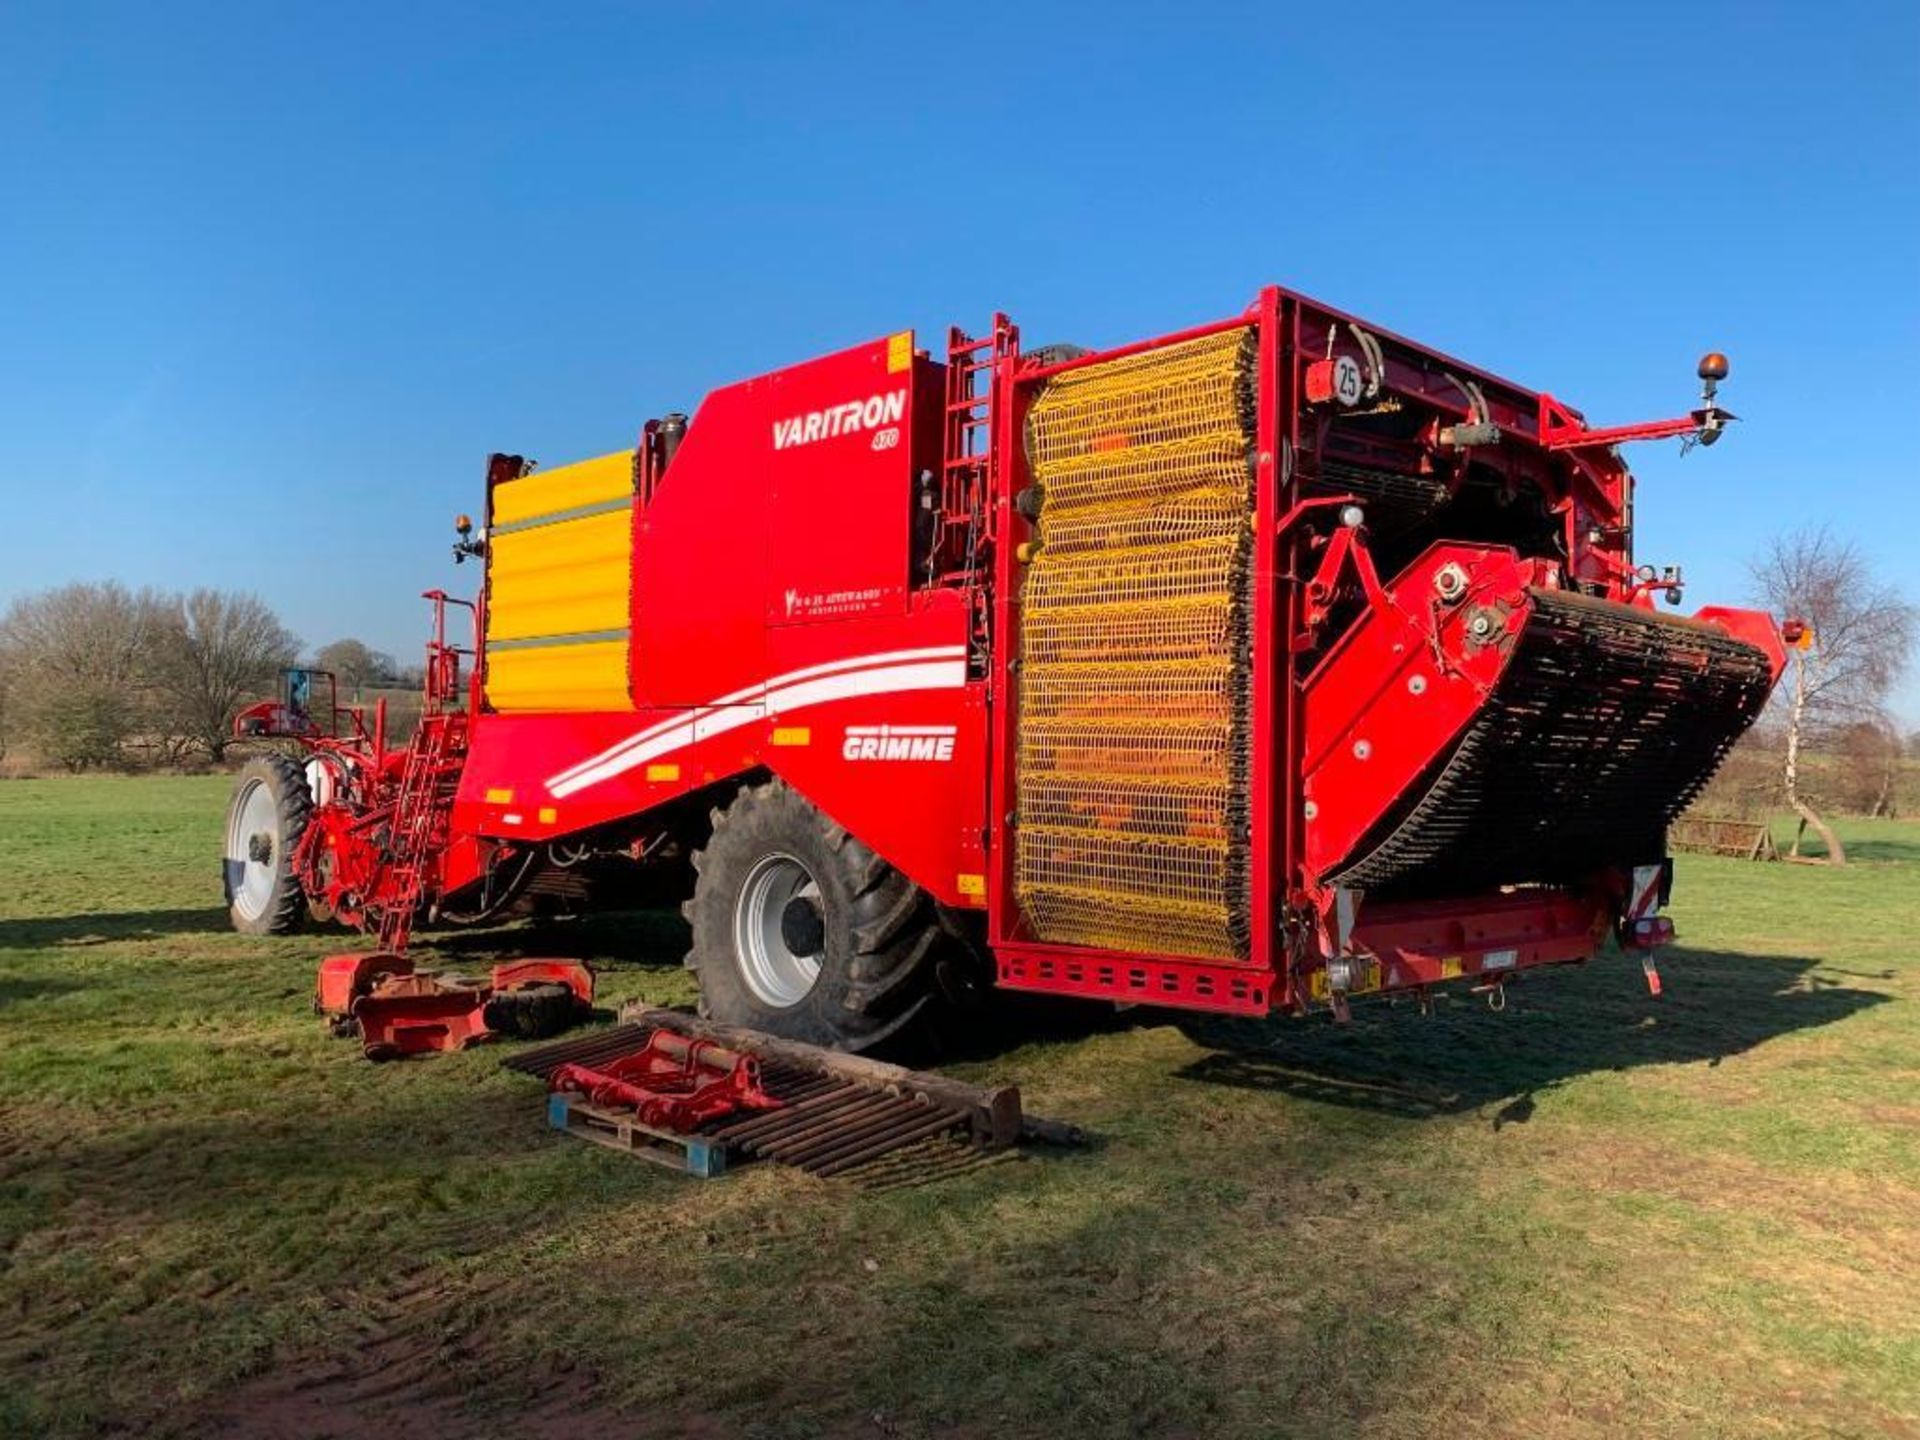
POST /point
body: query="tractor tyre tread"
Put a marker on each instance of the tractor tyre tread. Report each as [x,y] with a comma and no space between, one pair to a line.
[532,1012]
[877,984]
[286,909]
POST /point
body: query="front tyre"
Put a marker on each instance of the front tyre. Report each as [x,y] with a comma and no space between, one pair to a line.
[265,819]
[801,931]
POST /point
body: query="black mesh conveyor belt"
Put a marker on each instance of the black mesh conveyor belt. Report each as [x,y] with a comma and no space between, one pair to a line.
[1605,724]
[1405,498]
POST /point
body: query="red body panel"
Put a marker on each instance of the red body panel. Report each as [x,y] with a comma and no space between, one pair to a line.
[777,625]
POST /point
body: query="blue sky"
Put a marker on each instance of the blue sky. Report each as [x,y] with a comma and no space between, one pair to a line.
[274,279]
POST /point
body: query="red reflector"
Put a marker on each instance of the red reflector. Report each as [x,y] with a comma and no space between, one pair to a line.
[1651,932]
[1319,382]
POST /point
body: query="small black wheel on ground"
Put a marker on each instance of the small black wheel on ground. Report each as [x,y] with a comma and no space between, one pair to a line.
[265,820]
[532,1012]
[802,931]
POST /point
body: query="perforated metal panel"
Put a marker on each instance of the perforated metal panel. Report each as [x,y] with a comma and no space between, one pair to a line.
[1134,674]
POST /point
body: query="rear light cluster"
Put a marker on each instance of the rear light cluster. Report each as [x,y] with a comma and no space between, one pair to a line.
[1650,933]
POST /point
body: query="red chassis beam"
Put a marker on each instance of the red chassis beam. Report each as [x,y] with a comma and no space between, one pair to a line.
[1409,945]
[1394,947]
[1562,429]
[1133,979]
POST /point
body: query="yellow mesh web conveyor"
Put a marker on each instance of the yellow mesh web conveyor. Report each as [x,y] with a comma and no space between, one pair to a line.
[1134,673]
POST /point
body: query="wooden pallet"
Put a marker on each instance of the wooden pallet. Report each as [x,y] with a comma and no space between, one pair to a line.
[696,1155]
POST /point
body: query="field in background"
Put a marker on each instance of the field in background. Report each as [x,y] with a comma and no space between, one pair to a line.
[1871,841]
[1594,1214]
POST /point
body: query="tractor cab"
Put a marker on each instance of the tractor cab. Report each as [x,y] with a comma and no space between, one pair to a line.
[291,715]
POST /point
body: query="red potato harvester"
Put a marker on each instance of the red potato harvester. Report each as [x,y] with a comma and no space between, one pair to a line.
[1258,667]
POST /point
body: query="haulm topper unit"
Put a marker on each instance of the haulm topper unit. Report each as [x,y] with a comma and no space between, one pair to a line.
[1259,667]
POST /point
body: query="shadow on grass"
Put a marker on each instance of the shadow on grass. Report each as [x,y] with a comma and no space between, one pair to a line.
[1393,1060]
[109,927]
[640,937]
[627,937]
[1886,843]
[1889,851]
[32,987]
[376,1183]
[1007,1020]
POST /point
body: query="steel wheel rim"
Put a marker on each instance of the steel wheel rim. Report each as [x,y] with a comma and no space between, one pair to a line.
[250,880]
[774,973]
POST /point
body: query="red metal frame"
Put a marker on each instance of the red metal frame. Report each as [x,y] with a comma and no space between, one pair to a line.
[384,846]
[1434,941]
[1180,982]
[1370,733]
[1011,531]
[1295,587]
[673,1082]
[1562,429]
[1273,718]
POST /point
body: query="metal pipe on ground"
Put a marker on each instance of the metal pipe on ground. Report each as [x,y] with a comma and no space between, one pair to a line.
[828,1143]
[899,1130]
[791,1115]
[860,1108]
[784,1145]
[931,1126]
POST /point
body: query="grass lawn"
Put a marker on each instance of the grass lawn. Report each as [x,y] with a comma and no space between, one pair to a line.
[1594,1214]
[1885,841]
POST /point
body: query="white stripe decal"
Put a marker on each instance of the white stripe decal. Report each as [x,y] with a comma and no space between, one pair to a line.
[751,695]
[779,698]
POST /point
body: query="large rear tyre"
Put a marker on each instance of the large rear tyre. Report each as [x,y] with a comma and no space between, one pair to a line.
[265,819]
[803,932]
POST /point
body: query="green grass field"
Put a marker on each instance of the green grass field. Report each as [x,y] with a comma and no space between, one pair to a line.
[1594,1214]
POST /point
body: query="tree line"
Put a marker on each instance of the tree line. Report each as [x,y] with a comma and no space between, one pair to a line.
[94,675]
[98,676]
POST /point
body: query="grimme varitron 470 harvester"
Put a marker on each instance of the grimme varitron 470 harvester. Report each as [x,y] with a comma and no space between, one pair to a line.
[1258,667]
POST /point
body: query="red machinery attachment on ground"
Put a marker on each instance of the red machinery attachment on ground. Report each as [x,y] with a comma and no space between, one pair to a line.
[673,1082]
[397,1010]
[374,847]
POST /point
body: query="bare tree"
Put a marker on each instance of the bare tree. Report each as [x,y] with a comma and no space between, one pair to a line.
[355,664]
[218,650]
[1862,632]
[80,658]
[1867,754]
